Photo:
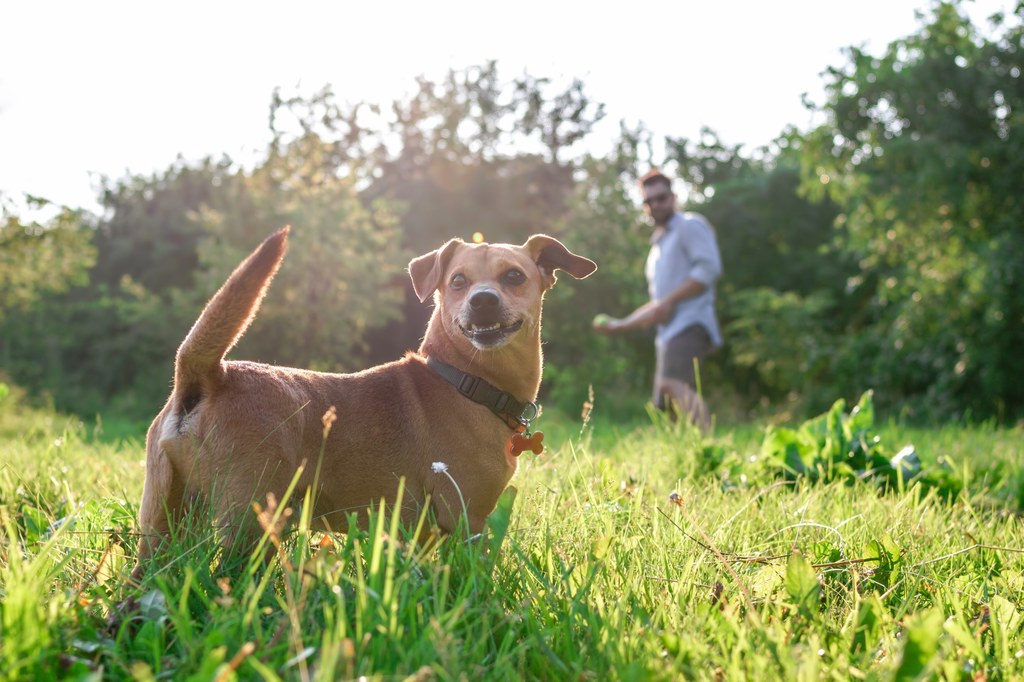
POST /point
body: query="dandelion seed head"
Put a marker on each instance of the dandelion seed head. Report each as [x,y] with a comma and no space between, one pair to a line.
[439,467]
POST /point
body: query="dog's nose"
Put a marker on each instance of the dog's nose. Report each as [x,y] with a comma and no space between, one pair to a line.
[483,301]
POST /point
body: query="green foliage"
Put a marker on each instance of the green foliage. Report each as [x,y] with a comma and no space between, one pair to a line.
[343,274]
[922,150]
[781,338]
[841,446]
[149,232]
[100,350]
[38,259]
[891,260]
[602,225]
[591,570]
[923,635]
[802,584]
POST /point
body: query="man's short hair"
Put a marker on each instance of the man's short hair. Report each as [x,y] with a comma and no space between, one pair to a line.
[655,176]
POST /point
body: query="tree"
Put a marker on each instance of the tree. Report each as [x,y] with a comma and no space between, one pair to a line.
[149,231]
[365,187]
[344,272]
[36,259]
[450,158]
[604,224]
[923,148]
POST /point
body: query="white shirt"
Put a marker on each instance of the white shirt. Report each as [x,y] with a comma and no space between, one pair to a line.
[686,249]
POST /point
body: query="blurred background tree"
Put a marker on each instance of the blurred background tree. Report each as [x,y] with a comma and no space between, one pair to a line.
[923,149]
[39,259]
[881,249]
[344,268]
[604,223]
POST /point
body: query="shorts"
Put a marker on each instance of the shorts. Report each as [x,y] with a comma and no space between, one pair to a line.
[675,358]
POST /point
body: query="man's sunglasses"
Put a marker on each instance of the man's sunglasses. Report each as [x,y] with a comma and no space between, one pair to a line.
[657,198]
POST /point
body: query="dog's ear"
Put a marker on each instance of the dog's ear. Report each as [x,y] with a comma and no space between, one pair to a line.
[550,254]
[427,270]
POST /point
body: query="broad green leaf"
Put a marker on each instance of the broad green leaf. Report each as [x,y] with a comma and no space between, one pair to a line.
[862,416]
[922,643]
[152,606]
[499,521]
[764,582]
[1006,625]
[837,437]
[802,583]
[599,548]
[1006,614]
[868,624]
[878,561]
[790,450]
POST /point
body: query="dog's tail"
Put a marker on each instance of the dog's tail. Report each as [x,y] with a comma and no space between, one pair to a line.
[224,319]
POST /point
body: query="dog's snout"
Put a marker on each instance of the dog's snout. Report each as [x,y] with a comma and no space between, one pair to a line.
[483,301]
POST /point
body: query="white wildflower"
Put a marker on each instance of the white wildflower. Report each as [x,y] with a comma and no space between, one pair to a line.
[442,468]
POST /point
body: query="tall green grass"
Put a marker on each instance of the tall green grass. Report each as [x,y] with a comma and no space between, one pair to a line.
[641,552]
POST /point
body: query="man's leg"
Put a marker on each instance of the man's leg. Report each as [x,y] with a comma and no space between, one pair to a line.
[680,398]
[675,376]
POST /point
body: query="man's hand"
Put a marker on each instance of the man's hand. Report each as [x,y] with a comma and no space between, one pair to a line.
[605,324]
[647,315]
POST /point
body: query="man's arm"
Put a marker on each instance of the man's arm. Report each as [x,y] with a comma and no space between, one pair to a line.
[652,312]
[702,249]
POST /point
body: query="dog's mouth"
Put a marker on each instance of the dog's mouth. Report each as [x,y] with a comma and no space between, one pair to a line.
[491,334]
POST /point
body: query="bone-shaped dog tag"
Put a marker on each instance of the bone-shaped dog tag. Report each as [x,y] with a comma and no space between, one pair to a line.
[521,443]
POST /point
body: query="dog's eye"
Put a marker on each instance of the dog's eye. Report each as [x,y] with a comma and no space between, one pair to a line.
[458,281]
[514,277]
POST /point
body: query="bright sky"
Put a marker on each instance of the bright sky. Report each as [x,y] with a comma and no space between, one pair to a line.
[92,89]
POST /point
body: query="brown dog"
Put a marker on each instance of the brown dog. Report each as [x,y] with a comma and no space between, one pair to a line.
[233,431]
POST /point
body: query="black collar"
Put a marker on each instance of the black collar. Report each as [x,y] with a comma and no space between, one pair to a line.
[515,413]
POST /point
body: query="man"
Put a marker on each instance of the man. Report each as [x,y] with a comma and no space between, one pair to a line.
[681,270]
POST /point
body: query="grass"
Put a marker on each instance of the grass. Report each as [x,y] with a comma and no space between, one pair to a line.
[640,552]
